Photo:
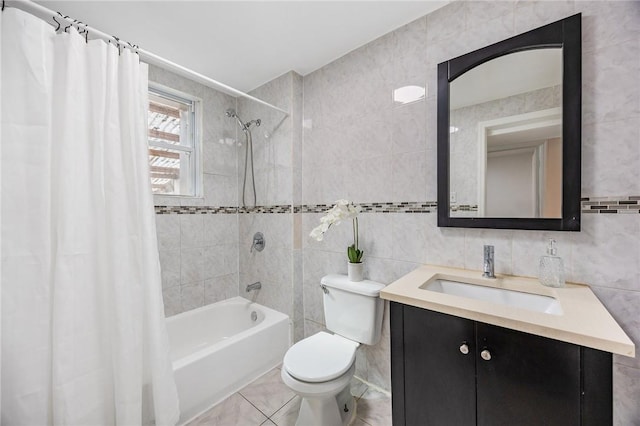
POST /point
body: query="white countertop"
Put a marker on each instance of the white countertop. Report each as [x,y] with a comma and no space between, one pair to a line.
[585,321]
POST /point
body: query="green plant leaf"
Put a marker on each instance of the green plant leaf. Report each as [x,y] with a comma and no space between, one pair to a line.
[351,253]
[354,255]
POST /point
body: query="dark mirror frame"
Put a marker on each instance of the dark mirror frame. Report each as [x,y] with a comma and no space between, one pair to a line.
[567,34]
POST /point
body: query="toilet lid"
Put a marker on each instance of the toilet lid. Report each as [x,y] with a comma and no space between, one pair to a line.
[320,358]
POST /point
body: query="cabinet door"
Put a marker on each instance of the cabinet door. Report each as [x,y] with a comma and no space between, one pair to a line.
[439,387]
[528,380]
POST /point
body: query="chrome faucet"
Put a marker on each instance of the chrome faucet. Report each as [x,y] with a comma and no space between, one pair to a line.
[255,286]
[487,269]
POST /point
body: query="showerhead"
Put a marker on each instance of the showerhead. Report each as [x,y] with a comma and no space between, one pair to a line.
[231,113]
[253,122]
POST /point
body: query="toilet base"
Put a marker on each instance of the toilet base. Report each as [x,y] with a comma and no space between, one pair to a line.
[339,410]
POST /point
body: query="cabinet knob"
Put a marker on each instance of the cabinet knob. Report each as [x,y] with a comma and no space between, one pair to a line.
[485,354]
[464,348]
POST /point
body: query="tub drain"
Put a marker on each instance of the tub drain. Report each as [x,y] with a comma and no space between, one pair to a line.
[254,316]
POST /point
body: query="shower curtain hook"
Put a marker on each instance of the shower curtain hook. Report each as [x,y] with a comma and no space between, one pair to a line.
[85,31]
[68,26]
[56,21]
[133,47]
[117,43]
[75,21]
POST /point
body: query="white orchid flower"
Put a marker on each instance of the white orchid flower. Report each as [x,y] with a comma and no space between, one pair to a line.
[317,233]
[343,210]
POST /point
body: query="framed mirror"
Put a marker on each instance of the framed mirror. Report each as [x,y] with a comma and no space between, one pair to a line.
[509,132]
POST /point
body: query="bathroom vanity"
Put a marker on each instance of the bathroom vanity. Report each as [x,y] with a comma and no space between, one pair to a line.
[467,350]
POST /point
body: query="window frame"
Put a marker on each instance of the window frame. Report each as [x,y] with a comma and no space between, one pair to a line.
[194,135]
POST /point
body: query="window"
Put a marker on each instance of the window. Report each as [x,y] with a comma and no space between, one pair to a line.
[173,142]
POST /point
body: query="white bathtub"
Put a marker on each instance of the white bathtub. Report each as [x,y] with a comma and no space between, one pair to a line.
[218,349]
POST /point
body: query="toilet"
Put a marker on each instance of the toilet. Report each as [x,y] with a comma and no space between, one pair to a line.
[320,367]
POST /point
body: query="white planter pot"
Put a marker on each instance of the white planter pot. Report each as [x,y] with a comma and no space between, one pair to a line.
[355,271]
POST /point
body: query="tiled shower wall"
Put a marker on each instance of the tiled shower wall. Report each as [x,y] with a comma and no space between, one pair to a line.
[277,178]
[199,252]
[359,145]
[204,242]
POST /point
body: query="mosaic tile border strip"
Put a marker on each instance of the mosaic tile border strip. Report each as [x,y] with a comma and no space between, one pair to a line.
[608,205]
[464,208]
[222,210]
[285,208]
[392,207]
[195,210]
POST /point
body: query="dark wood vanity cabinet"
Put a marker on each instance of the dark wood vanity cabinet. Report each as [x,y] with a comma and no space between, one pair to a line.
[448,370]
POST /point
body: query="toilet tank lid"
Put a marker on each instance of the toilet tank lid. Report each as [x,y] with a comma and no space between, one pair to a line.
[366,287]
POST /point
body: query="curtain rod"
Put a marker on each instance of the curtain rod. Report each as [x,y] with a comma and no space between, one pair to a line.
[47,15]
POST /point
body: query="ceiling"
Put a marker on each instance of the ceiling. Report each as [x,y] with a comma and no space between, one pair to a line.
[245,44]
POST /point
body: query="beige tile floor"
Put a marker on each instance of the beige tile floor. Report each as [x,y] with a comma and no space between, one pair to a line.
[267,401]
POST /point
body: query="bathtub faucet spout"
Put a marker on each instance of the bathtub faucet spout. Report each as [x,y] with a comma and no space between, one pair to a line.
[255,286]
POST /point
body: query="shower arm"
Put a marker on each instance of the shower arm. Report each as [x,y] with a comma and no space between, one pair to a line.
[231,113]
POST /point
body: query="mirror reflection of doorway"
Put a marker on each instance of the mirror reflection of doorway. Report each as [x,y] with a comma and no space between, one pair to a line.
[522,181]
[512,184]
[520,163]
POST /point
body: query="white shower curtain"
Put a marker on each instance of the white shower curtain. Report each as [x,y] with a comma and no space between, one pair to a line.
[83,333]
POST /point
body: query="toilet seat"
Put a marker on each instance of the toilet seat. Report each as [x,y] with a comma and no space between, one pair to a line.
[320,358]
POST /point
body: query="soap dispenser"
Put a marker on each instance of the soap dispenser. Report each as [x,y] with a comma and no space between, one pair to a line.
[551,267]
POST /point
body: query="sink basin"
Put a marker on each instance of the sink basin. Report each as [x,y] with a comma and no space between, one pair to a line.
[516,299]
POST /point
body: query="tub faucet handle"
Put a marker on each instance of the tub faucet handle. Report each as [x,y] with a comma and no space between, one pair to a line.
[258,242]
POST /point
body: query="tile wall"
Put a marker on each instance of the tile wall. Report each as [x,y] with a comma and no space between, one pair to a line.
[205,242]
[359,145]
[276,145]
[199,250]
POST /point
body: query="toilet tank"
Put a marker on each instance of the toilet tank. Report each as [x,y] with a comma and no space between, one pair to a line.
[353,309]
